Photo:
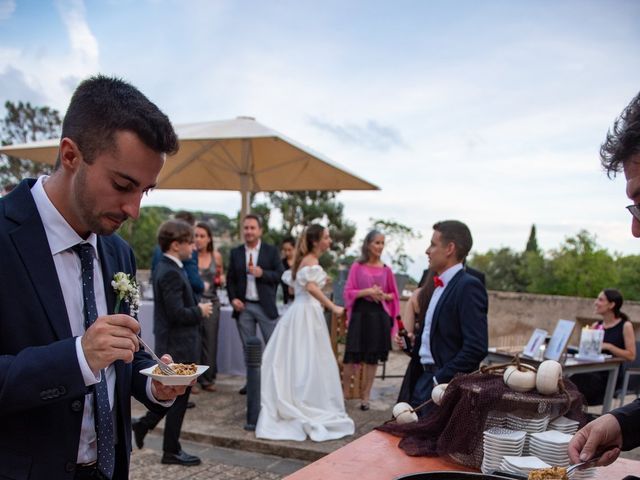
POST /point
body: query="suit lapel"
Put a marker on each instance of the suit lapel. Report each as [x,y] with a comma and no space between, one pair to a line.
[444,298]
[30,241]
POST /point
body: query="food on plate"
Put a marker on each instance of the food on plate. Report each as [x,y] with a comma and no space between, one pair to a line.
[553,473]
[179,368]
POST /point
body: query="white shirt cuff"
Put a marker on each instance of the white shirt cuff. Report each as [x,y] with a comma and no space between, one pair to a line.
[87,375]
[150,396]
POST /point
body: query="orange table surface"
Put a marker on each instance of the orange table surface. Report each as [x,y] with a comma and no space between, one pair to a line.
[376,456]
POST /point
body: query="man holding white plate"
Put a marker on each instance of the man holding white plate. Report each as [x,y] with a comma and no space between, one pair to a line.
[175,308]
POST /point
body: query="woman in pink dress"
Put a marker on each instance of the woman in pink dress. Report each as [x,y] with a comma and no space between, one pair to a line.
[372,304]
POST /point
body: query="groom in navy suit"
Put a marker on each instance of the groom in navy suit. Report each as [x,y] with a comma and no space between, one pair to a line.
[454,335]
[68,363]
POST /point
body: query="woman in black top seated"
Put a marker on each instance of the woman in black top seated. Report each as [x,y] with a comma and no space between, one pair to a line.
[619,341]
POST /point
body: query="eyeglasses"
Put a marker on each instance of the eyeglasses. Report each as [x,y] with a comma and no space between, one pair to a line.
[635,211]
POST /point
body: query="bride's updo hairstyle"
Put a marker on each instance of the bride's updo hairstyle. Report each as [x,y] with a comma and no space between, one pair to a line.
[310,235]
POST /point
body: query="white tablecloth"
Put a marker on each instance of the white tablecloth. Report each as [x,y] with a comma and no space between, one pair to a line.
[230,355]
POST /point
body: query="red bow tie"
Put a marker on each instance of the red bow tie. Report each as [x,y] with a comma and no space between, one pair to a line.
[437,281]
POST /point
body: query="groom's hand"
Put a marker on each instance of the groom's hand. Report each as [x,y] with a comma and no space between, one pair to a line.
[110,338]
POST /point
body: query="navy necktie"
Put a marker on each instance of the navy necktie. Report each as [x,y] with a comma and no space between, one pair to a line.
[102,411]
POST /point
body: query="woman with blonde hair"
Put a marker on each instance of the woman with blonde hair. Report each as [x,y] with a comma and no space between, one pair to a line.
[301,393]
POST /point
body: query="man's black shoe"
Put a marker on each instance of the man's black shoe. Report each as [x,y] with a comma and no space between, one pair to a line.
[139,431]
[243,390]
[190,405]
[180,458]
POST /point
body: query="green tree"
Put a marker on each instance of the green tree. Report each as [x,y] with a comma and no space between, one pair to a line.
[24,123]
[532,243]
[503,269]
[581,267]
[628,268]
[396,235]
[141,234]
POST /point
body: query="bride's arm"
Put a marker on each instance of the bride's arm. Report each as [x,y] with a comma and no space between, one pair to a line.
[317,293]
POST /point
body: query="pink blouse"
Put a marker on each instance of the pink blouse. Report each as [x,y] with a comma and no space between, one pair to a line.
[363,276]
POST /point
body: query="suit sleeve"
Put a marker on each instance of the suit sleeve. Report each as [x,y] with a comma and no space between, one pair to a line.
[629,419]
[273,270]
[474,305]
[171,285]
[191,267]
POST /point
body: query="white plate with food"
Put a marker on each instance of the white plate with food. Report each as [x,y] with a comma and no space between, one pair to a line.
[187,373]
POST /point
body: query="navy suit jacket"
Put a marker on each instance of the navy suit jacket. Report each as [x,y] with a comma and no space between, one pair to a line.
[459,338]
[41,386]
[270,262]
[176,312]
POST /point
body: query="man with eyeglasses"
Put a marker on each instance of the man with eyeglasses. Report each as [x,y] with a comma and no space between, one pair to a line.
[619,429]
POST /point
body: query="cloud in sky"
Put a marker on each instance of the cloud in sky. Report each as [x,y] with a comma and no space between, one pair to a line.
[7,7]
[490,113]
[372,135]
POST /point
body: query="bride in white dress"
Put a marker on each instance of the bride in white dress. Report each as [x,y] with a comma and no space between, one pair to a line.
[301,394]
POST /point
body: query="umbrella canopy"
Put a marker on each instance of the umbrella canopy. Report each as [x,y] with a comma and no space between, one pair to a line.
[239,154]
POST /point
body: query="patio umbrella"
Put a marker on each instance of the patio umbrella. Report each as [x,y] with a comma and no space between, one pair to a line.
[239,154]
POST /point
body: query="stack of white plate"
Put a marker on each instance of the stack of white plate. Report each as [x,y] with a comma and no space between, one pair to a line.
[551,446]
[494,419]
[521,465]
[583,474]
[564,425]
[527,422]
[499,442]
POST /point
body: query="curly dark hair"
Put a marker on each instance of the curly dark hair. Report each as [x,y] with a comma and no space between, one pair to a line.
[623,141]
[103,105]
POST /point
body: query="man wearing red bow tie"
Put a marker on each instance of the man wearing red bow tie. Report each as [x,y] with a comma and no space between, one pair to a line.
[454,335]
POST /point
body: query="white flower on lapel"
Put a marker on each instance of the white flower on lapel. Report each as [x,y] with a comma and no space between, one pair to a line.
[127,290]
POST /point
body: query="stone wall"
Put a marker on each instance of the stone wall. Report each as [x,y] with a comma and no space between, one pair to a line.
[514,316]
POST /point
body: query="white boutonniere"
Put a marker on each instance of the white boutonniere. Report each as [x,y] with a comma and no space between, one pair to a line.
[127,290]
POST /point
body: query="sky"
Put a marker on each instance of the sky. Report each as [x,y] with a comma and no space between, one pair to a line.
[490,112]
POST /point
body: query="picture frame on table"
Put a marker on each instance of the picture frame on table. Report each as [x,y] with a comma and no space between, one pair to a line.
[559,340]
[536,340]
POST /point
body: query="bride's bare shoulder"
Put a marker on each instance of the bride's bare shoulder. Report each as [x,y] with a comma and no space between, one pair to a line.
[308,261]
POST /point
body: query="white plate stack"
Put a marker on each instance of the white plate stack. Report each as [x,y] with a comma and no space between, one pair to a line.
[498,443]
[564,425]
[521,465]
[494,419]
[527,422]
[551,447]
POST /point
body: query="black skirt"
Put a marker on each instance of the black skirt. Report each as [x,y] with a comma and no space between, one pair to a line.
[369,333]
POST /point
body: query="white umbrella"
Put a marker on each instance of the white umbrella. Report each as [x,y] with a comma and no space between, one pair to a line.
[239,154]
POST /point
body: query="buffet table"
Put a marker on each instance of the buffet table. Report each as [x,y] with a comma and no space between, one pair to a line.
[376,456]
[230,359]
[570,367]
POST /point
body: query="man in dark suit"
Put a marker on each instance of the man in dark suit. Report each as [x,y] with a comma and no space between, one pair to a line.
[453,337]
[68,363]
[254,272]
[620,428]
[176,311]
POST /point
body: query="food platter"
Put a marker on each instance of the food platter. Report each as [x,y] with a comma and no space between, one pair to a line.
[174,379]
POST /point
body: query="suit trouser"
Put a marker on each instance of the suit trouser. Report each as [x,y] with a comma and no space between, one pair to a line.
[253,314]
[422,391]
[173,422]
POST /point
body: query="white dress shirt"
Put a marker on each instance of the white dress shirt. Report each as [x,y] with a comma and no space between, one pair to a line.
[61,237]
[252,290]
[426,358]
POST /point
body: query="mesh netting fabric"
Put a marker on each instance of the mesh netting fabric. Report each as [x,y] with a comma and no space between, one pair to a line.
[471,404]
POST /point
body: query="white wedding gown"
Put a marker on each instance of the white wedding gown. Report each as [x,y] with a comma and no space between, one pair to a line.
[301,393]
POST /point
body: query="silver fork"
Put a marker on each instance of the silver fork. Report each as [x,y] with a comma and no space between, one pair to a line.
[583,465]
[164,368]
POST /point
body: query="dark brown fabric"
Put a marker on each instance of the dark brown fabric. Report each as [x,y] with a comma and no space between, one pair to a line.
[455,428]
